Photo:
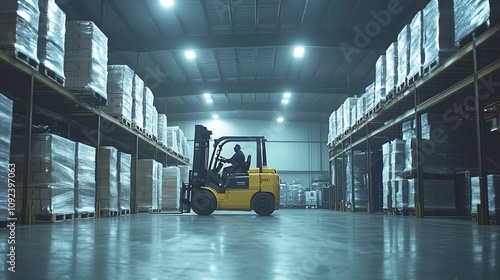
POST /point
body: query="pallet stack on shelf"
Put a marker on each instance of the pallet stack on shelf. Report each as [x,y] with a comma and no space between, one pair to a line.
[148,111]
[5,167]
[85,181]
[124,180]
[107,181]
[415,49]
[19,31]
[379,96]
[403,57]
[391,78]
[119,93]
[137,103]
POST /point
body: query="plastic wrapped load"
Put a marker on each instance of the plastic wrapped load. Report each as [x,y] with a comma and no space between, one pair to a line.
[411,193]
[439,196]
[408,130]
[493,186]
[438,31]
[435,158]
[370,97]
[137,101]
[401,195]
[283,196]
[184,169]
[416,46]
[172,139]
[51,37]
[386,162]
[360,108]
[155,122]
[51,185]
[159,185]
[85,184]
[356,166]
[162,129]
[391,60]
[397,159]
[348,107]
[171,188]
[124,179]
[19,27]
[403,54]
[296,197]
[340,121]
[147,109]
[469,15]
[86,58]
[119,91]
[332,133]
[387,195]
[146,185]
[185,147]
[380,80]
[5,135]
[107,179]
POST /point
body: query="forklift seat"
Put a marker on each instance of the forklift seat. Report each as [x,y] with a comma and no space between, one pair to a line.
[246,165]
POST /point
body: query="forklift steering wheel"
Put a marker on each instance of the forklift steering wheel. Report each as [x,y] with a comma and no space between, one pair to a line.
[222,159]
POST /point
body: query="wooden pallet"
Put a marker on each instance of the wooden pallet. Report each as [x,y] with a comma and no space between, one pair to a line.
[429,69]
[402,87]
[154,210]
[85,215]
[124,121]
[109,213]
[52,75]
[124,212]
[379,106]
[138,128]
[147,134]
[391,94]
[91,97]
[478,31]
[54,218]
[22,57]
[411,80]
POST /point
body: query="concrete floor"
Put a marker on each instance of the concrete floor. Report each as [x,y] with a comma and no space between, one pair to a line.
[291,244]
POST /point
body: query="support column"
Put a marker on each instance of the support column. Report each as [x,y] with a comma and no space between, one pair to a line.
[27,155]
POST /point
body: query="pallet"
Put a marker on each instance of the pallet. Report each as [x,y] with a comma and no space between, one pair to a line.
[411,80]
[378,106]
[154,210]
[24,58]
[429,69]
[391,94]
[52,75]
[85,215]
[54,218]
[124,121]
[148,134]
[124,212]
[137,127]
[109,213]
[493,221]
[91,97]
[155,139]
[402,87]
[469,38]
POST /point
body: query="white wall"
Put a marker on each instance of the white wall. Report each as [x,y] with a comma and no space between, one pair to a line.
[296,149]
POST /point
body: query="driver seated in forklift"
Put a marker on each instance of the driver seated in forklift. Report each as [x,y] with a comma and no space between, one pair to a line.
[236,161]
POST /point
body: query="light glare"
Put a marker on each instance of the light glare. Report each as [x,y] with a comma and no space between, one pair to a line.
[298,51]
[190,54]
[167,3]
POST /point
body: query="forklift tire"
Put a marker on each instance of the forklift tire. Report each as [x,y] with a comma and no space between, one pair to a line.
[263,204]
[203,202]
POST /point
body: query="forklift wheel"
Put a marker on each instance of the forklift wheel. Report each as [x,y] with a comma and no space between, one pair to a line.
[203,202]
[263,204]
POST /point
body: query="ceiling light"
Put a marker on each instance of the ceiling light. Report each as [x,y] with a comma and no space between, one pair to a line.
[210,101]
[207,95]
[284,101]
[280,120]
[167,3]
[190,54]
[215,116]
[287,95]
[298,51]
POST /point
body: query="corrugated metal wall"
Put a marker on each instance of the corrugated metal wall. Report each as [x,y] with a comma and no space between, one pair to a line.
[296,149]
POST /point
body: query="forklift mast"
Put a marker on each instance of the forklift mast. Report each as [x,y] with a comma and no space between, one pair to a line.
[200,155]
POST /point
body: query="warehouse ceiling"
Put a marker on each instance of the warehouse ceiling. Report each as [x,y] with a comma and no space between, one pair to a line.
[245,51]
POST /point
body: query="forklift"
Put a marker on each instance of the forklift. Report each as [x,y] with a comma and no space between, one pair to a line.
[249,188]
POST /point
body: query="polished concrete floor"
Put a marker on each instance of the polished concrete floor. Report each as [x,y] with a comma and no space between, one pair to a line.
[291,244]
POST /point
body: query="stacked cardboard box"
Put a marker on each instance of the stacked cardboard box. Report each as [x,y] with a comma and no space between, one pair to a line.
[124,167]
[5,132]
[155,122]
[137,101]
[416,46]
[332,132]
[172,139]
[162,129]
[171,188]
[147,110]
[349,113]
[146,185]
[107,179]
[119,91]
[19,27]
[184,169]
[403,54]
[86,58]
[361,107]
[370,97]
[380,81]
[85,181]
[51,181]
[51,35]
[391,59]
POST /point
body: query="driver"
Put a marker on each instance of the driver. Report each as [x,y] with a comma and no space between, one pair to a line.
[237,161]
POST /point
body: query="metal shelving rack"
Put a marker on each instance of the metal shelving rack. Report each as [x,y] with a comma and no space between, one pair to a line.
[35,94]
[459,79]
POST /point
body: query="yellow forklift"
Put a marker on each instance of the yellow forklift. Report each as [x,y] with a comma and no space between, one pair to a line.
[250,188]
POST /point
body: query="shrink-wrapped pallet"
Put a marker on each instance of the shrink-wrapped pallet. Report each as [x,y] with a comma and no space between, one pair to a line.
[493,188]
[119,90]
[370,97]
[471,14]
[86,58]
[107,179]
[137,101]
[349,106]
[361,107]
[148,110]
[403,54]
[19,28]
[380,81]
[124,179]
[51,37]
[159,185]
[155,122]
[416,47]
[85,183]
[162,129]
[171,188]
[391,58]
[5,168]
[146,185]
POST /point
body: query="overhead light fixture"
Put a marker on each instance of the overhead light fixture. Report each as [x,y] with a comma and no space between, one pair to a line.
[207,95]
[167,3]
[284,101]
[209,101]
[287,95]
[280,120]
[298,51]
[215,116]
[190,54]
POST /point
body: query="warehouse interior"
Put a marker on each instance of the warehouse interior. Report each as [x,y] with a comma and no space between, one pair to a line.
[381,122]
